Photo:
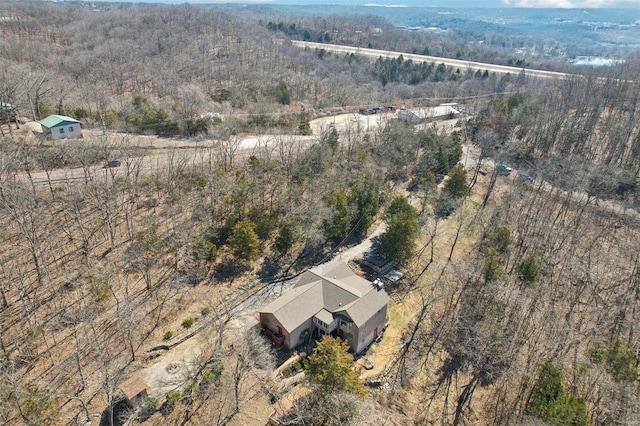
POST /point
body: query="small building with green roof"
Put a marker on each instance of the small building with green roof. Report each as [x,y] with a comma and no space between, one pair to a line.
[61,127]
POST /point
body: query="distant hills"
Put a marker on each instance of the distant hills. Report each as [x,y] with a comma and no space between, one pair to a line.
[398,3]
[579,32]
[385,3]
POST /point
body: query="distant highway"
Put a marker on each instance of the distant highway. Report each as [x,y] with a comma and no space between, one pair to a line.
[456,63]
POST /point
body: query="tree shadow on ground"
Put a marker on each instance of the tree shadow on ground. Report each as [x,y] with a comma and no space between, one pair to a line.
[228,271]
[271,268]
[318,254]
[119,412]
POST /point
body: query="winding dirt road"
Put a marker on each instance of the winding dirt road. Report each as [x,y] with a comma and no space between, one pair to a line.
[198,153]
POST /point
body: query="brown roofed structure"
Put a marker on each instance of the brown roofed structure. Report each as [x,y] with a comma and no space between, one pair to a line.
[134,390]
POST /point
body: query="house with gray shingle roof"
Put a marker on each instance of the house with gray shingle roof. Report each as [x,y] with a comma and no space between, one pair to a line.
[327,300]
[61,127]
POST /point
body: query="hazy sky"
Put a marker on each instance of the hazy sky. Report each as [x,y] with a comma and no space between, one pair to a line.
[572,3]
[579,4]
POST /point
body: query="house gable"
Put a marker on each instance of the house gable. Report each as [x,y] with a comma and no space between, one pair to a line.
[57,120]
[61,127]
[365,307]
[293,307]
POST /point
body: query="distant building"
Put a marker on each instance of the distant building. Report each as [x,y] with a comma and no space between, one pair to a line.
[61,127]
[377,263]
[421,115]
[134,390]
[327,300]
[409,117]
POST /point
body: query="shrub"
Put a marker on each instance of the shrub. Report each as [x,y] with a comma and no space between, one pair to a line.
[621,362]
[151,404]
[457,185]
[187,323]
[102,292]
[288,234]
[148,408]
[33,332]
[38,407]
[208,377]
[283,93]
[205,311]
[549,400]
[331,368]
[194,127]
[297,366]
[244,241]
[493,268]
[99,284]
[204,250]
[213,374]
[265,222]
[398,241]
[173,397]
[528,270]
[596,354]
[445,206]
[217,367]
[304,128]
[167,335]
[497,240]
[567,410]
[337,227]
[199,181]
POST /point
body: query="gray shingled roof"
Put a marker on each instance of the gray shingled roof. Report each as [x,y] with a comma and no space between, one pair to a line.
[325,316]
[297,305]
[364,308]
[334,289]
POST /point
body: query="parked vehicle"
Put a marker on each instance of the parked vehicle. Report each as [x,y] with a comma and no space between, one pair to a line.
[526,176]
[504,169]
[376,110]
[111,163]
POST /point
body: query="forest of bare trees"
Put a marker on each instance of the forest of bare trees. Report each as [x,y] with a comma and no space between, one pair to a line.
[521,292]
[161,69]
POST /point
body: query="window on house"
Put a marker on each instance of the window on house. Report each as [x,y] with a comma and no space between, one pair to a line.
[343,324]
[61,130]
[71,129]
